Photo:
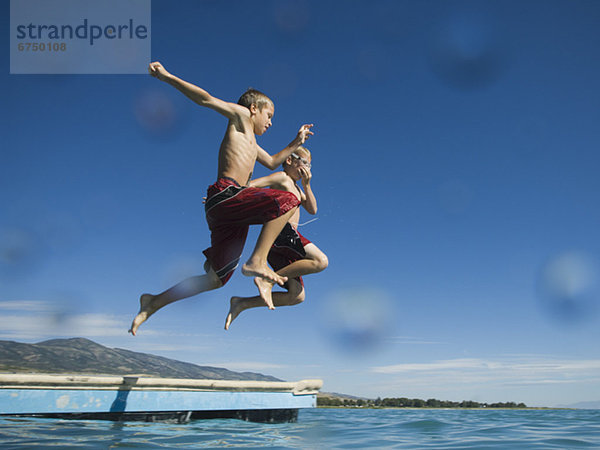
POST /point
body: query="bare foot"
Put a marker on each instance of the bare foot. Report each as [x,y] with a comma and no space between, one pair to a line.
[264,290]
[262,271]
[234,311]
[146,310]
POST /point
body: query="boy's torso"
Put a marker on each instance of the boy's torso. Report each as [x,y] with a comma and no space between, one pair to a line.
[238,152]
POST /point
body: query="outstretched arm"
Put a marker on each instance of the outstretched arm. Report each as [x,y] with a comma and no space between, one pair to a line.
[274,161]
[274,180]
[197,94]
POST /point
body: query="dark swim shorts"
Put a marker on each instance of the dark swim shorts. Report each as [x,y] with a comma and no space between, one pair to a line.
[288,247]
[230,210]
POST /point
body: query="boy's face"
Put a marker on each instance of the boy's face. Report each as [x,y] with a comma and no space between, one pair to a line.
[262,117]
[299,164]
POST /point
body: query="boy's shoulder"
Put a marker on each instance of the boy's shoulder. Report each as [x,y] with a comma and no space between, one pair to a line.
[287,177]
[278,180]
[281,175]
[283,179]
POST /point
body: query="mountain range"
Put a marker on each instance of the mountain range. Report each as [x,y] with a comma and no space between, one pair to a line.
[82,356]
[583,405]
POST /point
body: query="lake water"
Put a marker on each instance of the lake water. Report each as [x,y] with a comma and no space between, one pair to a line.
[325,428]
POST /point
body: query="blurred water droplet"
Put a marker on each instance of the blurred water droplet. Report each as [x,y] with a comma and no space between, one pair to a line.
[155,112]
[569,287]
[20,251]
[466,53]
[358,320]
[15,246]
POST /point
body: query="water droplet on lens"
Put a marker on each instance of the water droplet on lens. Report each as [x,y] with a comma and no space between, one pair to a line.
[568,287]
[357,321]
[466,53]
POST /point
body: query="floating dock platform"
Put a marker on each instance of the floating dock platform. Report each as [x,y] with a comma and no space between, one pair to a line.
[149,399]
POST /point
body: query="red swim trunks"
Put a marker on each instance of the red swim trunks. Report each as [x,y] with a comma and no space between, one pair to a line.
[230,210]
[288,247]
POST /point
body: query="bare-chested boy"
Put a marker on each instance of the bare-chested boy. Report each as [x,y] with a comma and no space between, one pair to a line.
[231,206]
[292,255]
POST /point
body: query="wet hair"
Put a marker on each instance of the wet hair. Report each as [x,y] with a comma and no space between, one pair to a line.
[303,151]
[252,96]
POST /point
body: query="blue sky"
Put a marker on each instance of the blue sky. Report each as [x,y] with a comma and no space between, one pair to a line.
[455,161]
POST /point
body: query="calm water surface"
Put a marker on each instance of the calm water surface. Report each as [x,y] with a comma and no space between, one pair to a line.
[325,428]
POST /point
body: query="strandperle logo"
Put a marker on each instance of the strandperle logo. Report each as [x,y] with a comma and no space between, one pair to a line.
[83,31]
[79,36]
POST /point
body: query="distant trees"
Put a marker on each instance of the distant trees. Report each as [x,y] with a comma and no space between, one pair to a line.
[403,402]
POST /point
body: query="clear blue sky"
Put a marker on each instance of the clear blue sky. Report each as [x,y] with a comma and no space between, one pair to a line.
[455,161]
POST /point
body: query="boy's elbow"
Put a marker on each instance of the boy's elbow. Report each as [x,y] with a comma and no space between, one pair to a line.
[268,163]
[202,100]
[208,101]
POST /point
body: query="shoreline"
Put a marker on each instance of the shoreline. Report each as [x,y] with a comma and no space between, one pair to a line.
[528,408]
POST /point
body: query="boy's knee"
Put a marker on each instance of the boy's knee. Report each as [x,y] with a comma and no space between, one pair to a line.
[215,281]
[322,262]
[296,291]
[300,296]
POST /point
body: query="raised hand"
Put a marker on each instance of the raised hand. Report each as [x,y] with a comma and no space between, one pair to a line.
[157,70]
[304,133]
[305,175]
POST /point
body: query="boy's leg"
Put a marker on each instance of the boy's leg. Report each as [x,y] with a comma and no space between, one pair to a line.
[257,263]
[315,261]
[294,295]
[230,204]
[189,287]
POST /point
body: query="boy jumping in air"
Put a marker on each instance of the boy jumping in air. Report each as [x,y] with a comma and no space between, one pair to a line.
[231,206]
[292,255]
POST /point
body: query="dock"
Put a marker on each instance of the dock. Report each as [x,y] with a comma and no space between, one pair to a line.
[142,398]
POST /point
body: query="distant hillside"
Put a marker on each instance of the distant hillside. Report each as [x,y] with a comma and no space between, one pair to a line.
[78,355]
[333,395]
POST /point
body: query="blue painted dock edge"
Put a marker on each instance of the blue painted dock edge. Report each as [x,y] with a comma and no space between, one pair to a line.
[149,399]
